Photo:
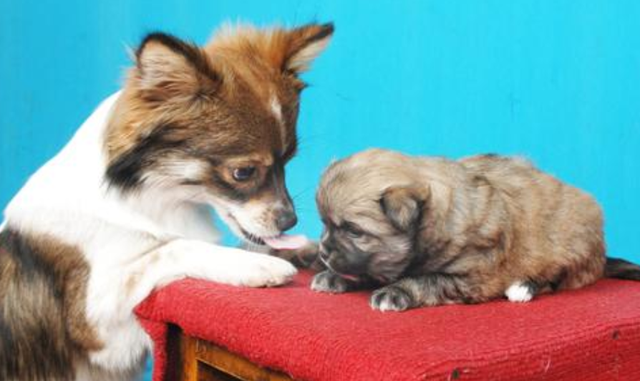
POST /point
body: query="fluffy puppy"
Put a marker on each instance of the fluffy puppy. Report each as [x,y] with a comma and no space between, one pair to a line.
[434,231]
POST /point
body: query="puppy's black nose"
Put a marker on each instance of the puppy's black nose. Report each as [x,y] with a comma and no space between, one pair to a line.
[286,220]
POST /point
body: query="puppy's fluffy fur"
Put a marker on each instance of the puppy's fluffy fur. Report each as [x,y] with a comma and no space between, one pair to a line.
[124,207]
[436,231]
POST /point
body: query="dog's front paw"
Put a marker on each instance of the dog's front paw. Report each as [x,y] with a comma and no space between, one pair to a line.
[328,281]
[391,298]
[267,271]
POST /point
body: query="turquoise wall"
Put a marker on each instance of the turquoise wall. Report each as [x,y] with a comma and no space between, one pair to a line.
[555,80]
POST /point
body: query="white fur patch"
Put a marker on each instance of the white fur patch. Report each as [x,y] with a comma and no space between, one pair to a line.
[173,172]
[252,218]
[386,305]
[193,170]
[518,292]
[276,108]
[302,59]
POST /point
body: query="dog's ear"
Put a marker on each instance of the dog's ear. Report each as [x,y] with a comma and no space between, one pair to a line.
[304,45]
[167,67]
[403,206]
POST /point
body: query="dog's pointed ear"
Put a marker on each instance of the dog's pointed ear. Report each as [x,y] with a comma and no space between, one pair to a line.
[168,67]
[404,206]
[304,45]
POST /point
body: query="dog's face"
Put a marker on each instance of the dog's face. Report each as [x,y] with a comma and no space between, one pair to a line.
[216,125]
[371,209]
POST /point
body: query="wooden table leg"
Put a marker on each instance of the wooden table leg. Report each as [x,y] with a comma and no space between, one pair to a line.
[181,354]
[192,359]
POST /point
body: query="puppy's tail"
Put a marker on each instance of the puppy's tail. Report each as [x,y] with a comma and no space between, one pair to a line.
[621,269]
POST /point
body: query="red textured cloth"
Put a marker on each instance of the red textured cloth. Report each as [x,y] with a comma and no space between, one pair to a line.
[590,334]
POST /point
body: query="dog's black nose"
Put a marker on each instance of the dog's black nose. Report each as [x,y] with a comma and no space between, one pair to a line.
[286,220]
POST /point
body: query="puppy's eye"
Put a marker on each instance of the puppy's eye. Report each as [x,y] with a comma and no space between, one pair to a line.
[244,173]
[352,231]
[354,234]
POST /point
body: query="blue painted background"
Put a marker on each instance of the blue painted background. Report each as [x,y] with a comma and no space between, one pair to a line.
[555,80]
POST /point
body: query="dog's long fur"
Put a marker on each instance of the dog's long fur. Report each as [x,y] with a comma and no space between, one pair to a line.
[123,208]
[436,231]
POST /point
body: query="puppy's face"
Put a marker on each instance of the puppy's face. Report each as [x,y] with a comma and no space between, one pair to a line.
[215,125]
[371,210]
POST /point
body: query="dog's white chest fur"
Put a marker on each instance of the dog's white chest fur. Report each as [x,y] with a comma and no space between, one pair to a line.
[131,243]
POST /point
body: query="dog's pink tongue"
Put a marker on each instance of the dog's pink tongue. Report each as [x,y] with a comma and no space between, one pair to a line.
[286,242]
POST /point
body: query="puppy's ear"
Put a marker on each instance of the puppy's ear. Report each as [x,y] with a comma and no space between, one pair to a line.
[403,206]
[167,67]
[304,45]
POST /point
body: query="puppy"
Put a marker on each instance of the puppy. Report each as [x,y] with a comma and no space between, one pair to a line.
[434,231]
[124,207]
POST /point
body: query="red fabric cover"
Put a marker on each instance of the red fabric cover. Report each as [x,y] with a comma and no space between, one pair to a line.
[590,334]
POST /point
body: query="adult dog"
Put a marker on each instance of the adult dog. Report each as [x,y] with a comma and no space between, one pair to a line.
[123,208]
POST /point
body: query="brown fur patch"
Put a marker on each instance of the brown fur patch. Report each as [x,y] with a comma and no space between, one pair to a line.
[211,103]
[43,319]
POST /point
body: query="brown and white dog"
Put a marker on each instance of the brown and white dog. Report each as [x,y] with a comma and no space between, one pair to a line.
[124,207]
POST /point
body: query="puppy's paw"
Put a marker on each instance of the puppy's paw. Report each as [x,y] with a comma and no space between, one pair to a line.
[267,271]
[328,281]
[391,298]
[520,292]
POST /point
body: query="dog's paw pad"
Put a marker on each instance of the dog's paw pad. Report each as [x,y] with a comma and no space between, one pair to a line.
[391,298]
[328,281]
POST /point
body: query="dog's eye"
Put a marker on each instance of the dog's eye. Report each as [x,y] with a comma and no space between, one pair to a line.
[354,234]
[243,173]
[352,231]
